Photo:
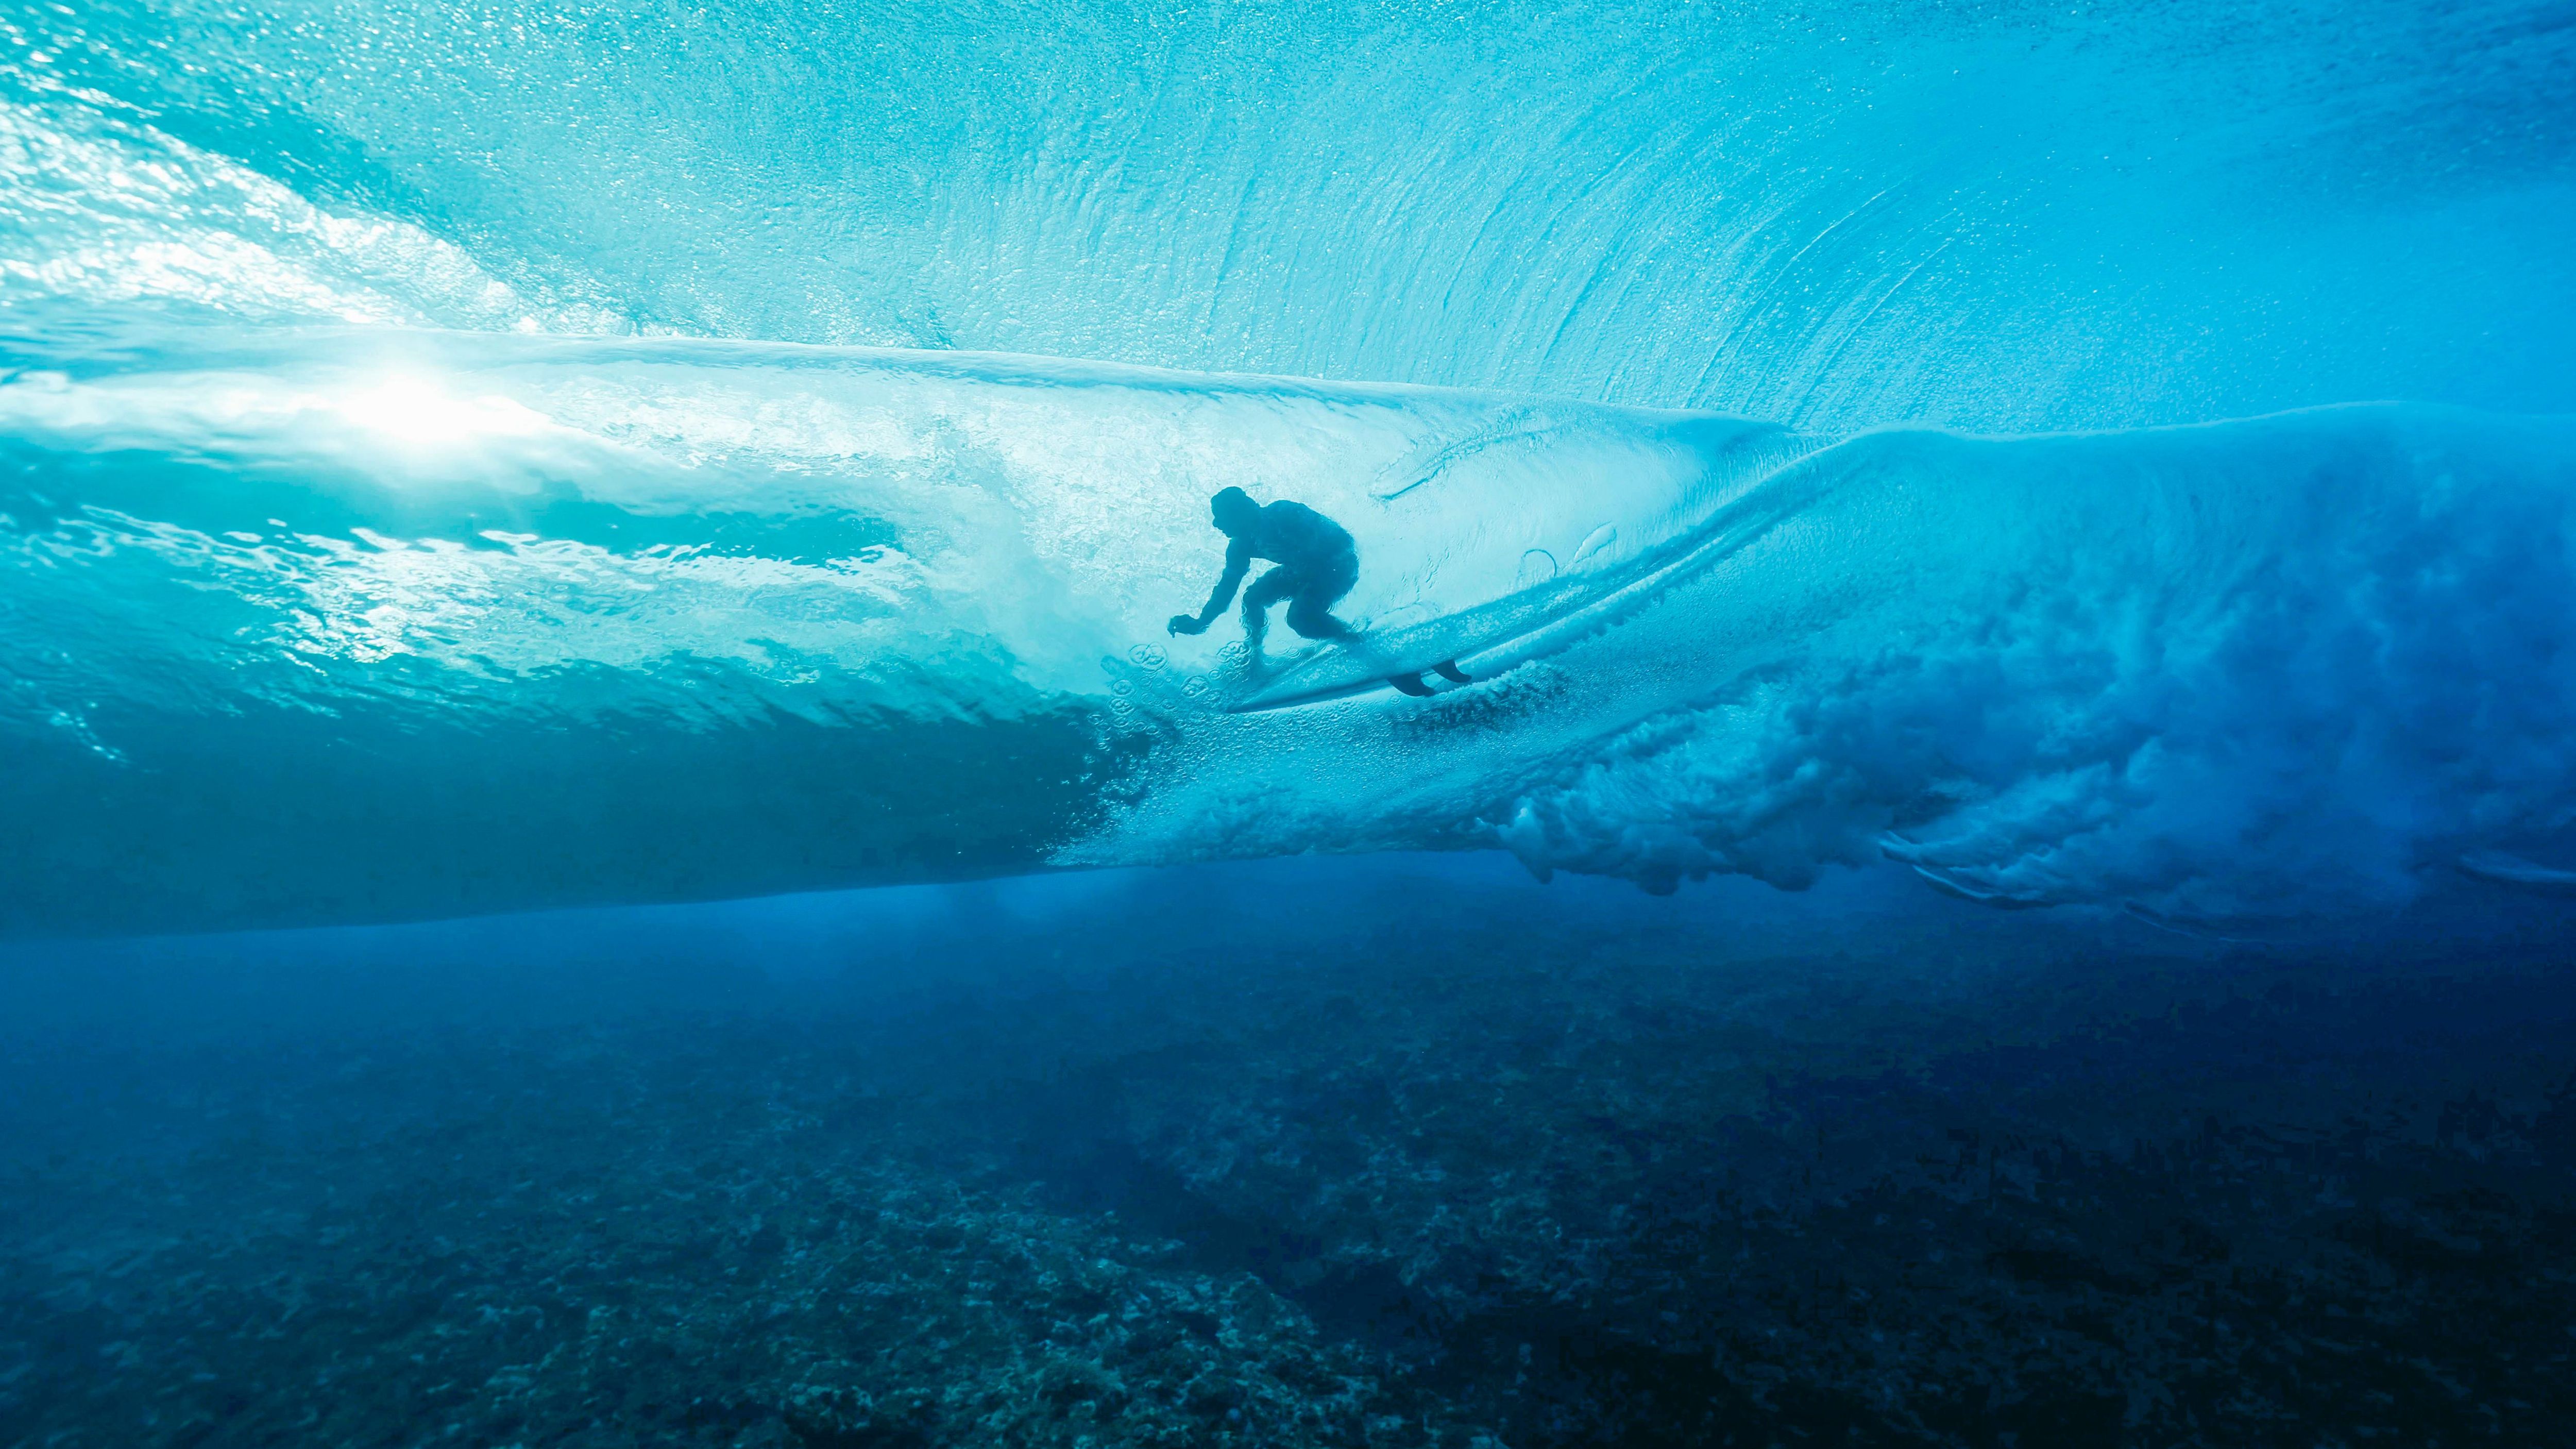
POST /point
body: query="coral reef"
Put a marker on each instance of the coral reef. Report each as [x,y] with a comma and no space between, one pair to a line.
[1517,1189]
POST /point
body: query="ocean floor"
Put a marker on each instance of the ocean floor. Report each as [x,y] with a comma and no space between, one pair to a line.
[1395,1152]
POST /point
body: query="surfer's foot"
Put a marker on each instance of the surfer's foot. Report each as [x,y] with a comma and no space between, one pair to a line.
[1450,671]
[1411,684]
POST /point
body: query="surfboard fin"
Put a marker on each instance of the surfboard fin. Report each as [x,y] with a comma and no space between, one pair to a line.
[1450,671]
[1410,684]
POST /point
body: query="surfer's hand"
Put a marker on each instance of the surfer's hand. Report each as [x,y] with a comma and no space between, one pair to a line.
[1186,624]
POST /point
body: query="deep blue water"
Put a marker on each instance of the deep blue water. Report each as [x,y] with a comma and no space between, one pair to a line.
[602,840]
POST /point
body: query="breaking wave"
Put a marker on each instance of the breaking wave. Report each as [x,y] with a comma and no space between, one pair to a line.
[317,625]
[487,457]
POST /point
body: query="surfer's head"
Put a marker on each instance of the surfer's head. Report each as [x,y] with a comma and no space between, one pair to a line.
[1234,511]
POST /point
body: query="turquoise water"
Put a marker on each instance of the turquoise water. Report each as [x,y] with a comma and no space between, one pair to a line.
[476,458]
[583,678]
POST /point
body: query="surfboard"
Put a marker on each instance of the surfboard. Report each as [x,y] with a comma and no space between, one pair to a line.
[1380,659]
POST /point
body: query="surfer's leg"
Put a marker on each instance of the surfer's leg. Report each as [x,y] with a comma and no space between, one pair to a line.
[1307,613]
[1258,596]
[1309,619]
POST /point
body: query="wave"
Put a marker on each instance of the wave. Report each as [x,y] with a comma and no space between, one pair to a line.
[342,624]
[486,456]
[352,624]
[2008,217]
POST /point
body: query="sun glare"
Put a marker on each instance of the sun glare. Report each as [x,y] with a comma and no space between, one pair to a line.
[417,411]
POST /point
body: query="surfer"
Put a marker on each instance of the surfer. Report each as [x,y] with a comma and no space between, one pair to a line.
[1317,561]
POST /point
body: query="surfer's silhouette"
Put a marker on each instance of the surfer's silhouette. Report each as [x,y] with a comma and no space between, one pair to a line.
[1317,564]
[1317,561]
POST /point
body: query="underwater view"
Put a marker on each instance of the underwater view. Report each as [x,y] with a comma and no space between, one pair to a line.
[811,724]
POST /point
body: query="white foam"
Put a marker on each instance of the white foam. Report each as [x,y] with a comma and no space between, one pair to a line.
[2289,667]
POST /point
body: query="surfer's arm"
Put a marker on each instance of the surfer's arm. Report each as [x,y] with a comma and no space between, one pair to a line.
[1238,562]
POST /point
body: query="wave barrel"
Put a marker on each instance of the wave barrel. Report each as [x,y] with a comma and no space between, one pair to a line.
[343,625]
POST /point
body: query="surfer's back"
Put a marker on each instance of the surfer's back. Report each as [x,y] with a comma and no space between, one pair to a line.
[1292,533]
